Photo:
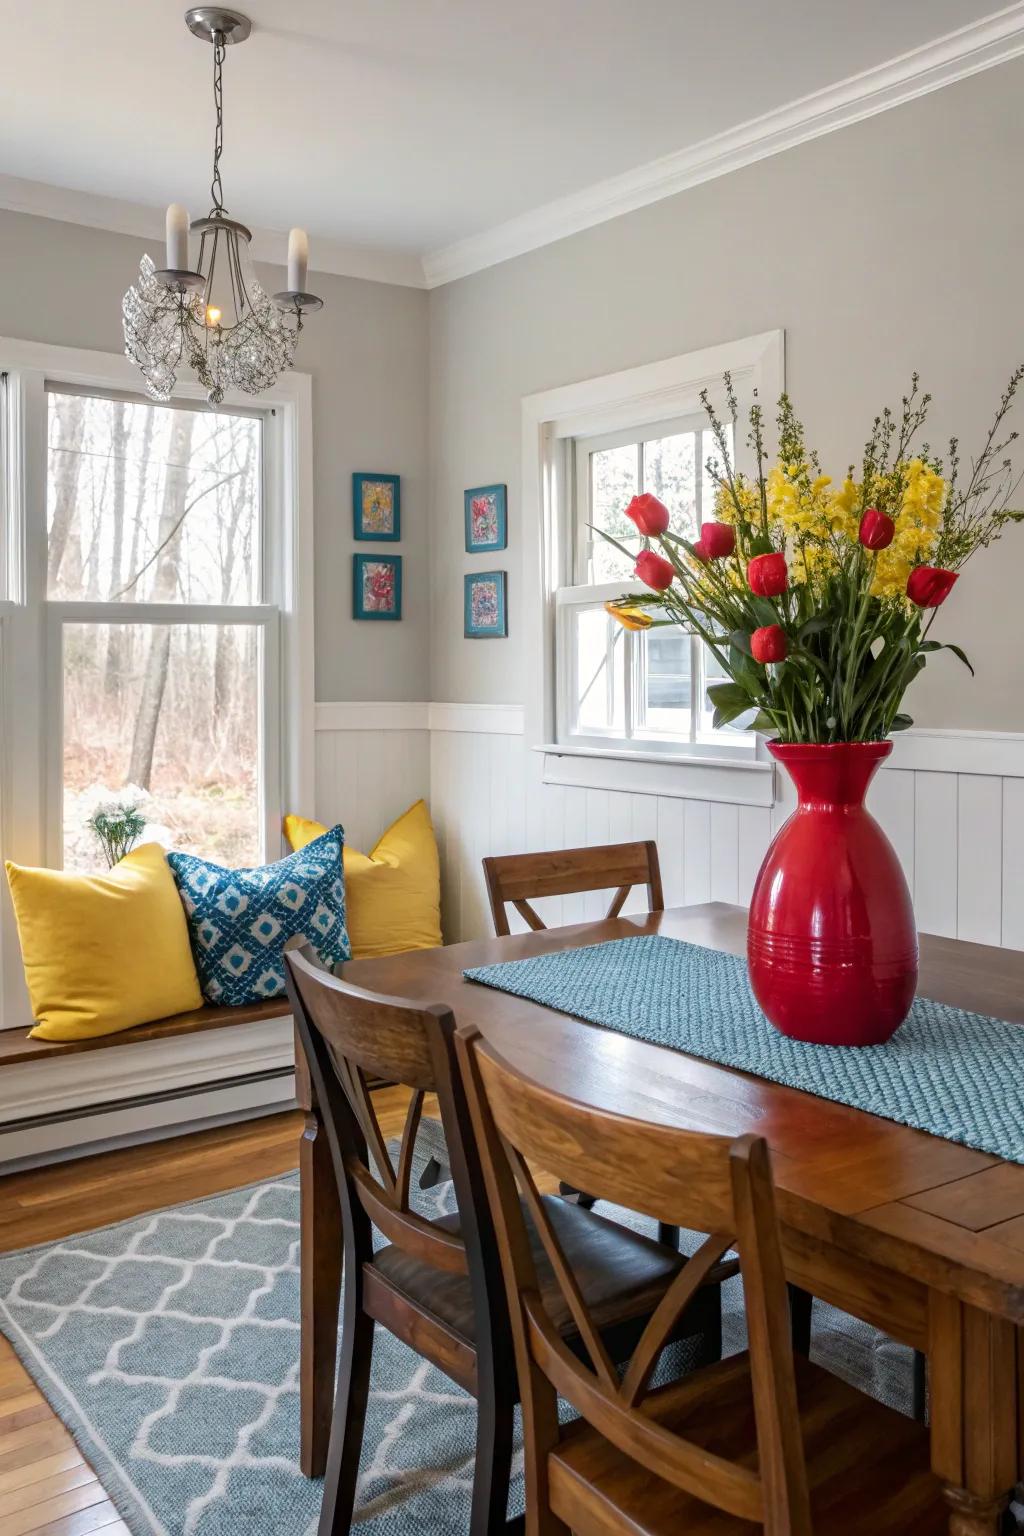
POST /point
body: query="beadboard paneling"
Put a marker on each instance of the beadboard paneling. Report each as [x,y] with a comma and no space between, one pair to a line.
[959,834]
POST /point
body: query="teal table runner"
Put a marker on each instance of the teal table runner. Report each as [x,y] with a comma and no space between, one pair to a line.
[956,1074]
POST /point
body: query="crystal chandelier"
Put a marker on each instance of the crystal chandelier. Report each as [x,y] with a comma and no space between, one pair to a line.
[216,319]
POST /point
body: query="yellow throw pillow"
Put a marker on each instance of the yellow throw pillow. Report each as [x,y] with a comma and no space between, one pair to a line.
[392,896]
[103,952]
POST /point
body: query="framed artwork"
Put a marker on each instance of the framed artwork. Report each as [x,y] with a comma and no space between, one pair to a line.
[377,507]
[376,586]
[486,519]
[486,606]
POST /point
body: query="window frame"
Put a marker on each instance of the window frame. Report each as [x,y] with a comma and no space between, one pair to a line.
[584,594]
[31,624]
[634,400]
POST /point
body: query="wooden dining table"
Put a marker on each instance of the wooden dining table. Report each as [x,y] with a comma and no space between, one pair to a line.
[918,1236]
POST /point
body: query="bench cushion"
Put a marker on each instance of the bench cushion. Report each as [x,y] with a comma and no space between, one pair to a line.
[103,952]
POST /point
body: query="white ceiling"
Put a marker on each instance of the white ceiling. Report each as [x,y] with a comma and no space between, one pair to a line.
[412,125]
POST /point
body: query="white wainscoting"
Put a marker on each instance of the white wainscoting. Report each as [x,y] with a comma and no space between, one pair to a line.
[953,805]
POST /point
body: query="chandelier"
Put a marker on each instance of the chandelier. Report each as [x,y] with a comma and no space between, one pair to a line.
[215,318]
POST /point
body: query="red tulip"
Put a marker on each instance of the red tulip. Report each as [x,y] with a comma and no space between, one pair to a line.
[717,540]
[767,575]
[649,514]
[700,552]
[654,569]
[877,529]
[769,644]
[929,585]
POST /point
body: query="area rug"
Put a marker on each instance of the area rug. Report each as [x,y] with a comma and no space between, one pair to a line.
[168,1345]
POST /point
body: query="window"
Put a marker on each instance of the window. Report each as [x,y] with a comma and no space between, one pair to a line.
[155,616]
[154,552]
[644,691]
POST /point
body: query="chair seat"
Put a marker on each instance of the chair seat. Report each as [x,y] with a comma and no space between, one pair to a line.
[622,1274]
[867,1465]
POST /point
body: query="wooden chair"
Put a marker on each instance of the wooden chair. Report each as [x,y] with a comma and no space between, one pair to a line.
[761,1440]
[520,878]
[437,1285]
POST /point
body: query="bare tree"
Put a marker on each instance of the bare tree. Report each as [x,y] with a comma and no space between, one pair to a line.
[120,432]
[225,657]
[173,508]
[66,461]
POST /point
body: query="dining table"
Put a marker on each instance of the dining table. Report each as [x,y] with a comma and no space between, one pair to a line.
[917,1235]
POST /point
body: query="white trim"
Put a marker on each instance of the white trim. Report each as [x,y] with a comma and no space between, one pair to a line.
[677,778]
[270,246]
[955,56]
[479,719]
[999,754]
[143,1123]
[52,1084]
[376,716]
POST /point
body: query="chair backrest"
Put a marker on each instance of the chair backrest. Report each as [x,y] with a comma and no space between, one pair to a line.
[685,1178]
[520,878]
[350,1035]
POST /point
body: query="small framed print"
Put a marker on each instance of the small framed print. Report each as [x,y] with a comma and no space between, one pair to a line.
[377,507]
[486,606]
[486,519]
[376,586]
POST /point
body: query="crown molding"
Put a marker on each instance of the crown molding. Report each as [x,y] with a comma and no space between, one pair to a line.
[147,223]
[978,46]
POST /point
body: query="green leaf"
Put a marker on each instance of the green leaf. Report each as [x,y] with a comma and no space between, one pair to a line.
[764,610]
[763,721]
[740,640]
[729,700]
[629,554]
[813,627]
[901,723]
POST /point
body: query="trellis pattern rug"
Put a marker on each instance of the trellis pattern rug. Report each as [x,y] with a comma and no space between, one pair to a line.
[168,1345]
[955,1074]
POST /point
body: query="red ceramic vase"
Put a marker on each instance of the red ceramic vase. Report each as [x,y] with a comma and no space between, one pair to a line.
[832,942]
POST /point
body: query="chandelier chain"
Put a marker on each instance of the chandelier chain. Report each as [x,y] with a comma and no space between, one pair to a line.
[216,188]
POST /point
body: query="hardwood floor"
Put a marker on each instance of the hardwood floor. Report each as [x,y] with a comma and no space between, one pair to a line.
[46,1486]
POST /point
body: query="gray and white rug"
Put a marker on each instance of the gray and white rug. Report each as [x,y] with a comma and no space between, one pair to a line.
[168,1345]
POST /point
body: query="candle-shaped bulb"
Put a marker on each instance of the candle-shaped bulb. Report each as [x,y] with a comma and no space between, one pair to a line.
[177,238]
[212,315]
[298,260]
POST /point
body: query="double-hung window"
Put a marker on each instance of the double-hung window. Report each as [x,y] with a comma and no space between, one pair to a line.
[154,640]
[644,691]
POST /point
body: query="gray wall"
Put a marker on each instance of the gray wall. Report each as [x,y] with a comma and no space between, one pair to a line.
[367,353]
[891,245]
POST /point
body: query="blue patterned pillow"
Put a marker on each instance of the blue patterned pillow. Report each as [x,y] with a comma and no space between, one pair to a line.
[239,920]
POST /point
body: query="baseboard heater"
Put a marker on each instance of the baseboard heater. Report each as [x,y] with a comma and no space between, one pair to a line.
[141,1100]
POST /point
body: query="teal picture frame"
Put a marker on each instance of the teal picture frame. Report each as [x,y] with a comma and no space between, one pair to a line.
[485,605]
[376,501]
[375,593]
[486,515]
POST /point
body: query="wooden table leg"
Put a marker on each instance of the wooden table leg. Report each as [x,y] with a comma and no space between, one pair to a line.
[973,1380]
[320,1278]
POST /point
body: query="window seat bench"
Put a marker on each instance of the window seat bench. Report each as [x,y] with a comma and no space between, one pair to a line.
[16,1047]
[67,1098]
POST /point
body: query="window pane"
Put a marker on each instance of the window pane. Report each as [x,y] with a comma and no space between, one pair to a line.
[150,504]
[600,672]
[709,450]
[669,474]
[667,681]
[174,711]
[613,484]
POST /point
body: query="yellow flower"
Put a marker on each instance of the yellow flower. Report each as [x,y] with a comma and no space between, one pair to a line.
[629,615]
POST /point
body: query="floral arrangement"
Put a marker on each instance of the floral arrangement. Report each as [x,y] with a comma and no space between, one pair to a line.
[118,824]
[816,598]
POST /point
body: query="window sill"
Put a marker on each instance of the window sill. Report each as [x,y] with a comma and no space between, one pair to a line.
[683,775]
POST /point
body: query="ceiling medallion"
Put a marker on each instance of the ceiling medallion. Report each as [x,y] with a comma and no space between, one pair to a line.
[215,318]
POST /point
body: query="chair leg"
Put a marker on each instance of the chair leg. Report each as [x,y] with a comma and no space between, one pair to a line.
[493,1463]
[920,1398]
[668,1235]
[567,1191]
[800,1319]
[348,1422]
